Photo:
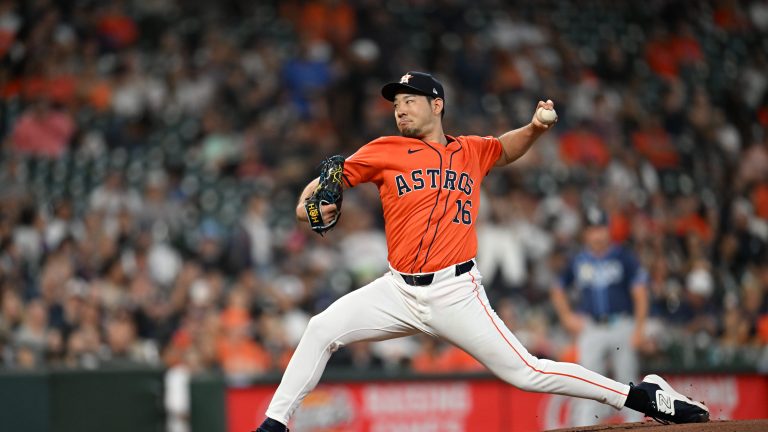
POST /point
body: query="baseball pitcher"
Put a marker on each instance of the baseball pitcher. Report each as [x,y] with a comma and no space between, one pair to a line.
[429,184]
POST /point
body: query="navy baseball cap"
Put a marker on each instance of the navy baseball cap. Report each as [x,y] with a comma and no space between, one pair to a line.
[596,217]
[414,82]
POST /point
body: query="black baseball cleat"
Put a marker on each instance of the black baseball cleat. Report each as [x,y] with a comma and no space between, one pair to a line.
[665,405]
[264,430]
[271,425]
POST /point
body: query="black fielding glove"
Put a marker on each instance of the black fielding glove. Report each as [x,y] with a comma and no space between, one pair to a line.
[329,191]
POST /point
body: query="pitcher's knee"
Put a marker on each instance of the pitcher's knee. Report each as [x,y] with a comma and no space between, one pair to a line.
[321,329]
[517,378]
[318,326]
[523,375]
[529,381]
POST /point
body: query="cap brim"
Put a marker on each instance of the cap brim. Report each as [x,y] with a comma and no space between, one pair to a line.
[391,90]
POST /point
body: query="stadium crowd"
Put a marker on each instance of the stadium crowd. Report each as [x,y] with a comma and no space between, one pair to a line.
[153,152]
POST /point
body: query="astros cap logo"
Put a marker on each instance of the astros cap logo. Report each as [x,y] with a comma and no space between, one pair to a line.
[415,83]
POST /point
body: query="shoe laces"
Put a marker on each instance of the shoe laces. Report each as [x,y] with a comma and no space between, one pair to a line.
[654,408]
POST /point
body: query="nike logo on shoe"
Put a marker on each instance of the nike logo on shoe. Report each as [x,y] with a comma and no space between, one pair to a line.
[411,151]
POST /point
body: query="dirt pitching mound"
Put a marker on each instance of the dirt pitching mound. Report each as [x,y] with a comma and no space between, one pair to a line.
[716,425]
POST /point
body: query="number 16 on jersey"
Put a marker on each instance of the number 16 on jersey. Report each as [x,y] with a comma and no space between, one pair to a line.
[463,214]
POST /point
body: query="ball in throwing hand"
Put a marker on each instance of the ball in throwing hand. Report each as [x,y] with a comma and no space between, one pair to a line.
[546,116]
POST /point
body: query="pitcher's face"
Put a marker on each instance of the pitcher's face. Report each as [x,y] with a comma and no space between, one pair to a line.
[415,115]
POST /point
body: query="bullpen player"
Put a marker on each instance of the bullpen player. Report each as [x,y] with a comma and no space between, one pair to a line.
[612,305]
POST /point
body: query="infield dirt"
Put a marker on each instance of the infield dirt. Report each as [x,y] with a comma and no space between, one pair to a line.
[651,426]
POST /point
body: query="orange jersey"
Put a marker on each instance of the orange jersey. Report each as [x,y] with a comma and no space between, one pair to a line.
[430,195]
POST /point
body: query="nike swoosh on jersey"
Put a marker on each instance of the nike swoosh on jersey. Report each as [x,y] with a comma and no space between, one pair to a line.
[410,151]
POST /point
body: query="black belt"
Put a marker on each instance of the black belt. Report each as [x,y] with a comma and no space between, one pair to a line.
[608,319]
[426,279]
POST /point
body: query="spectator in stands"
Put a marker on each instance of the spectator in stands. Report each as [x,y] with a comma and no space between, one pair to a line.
[660,54]
[113,196]
[438,357]
[32,335]
[158,210]
[697,313]
[60,225]
[239,355]
[652,142]
[582,147]
[363,246]
[42,131]
[255,222]
[124,348]
[12,311]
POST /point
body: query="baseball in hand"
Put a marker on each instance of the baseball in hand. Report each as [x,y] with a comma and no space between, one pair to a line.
[546,116]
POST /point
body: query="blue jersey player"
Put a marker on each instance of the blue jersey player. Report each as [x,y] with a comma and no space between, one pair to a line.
[601,298]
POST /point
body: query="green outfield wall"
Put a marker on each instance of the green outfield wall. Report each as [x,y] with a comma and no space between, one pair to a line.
[82,401]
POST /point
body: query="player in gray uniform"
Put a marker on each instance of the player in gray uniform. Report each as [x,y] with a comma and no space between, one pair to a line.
[610,313]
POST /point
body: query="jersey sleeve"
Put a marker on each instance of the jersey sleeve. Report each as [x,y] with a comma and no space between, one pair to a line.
[636,274]
[362,166]
[488,149]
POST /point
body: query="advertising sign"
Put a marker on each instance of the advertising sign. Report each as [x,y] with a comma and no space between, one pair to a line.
[485,405]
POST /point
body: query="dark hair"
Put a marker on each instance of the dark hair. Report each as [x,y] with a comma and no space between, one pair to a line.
[431,98]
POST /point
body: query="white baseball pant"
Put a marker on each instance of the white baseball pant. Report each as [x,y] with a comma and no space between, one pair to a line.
[454,308]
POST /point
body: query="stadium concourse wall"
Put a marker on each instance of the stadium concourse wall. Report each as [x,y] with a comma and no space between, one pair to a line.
[384,403]
[124,400]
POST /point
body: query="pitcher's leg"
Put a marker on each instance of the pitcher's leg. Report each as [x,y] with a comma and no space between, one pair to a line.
[471,324]
[373,312]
